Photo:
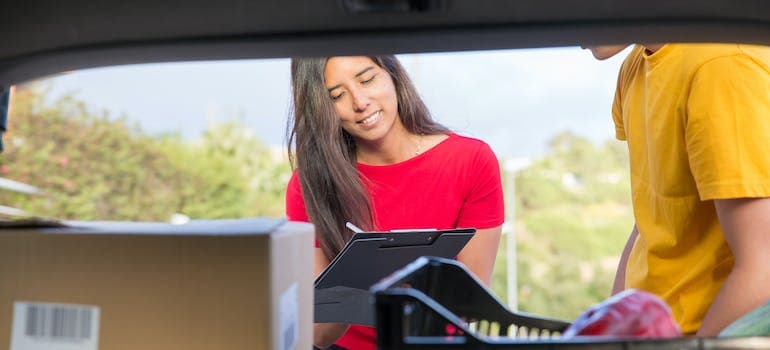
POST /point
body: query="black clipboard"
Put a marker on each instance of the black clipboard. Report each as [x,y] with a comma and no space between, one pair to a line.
[342,289]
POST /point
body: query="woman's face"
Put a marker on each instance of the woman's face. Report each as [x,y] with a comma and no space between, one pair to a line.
[364,96]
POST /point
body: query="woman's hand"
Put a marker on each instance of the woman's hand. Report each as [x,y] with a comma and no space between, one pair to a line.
[480,253]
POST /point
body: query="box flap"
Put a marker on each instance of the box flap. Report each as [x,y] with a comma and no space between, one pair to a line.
[221,227]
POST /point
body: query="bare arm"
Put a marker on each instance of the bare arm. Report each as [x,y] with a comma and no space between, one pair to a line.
[746,226]
[480,252]
[325,334]
[620,276]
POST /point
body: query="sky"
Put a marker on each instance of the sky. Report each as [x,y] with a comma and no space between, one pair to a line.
[515,100]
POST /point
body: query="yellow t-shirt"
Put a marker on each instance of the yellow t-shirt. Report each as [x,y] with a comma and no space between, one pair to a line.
[696,118]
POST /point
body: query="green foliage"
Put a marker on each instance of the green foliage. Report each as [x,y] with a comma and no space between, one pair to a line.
[266,174]
[572,206]
[95,167]
[573,218]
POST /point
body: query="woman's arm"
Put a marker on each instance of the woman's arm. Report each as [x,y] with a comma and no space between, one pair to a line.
[746,226]
[480,252]
[620,276]
[325,334]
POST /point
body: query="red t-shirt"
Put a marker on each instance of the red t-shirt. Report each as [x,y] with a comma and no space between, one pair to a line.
[454,184]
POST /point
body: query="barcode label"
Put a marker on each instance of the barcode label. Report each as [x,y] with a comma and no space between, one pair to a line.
[288,312]
[47,326]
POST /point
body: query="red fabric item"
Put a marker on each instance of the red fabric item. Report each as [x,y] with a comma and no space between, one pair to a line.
[454,184]
[631,313]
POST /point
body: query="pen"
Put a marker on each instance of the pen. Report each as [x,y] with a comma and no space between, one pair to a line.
[353,228]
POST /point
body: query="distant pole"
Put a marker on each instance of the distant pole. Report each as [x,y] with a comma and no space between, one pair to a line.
[512,167]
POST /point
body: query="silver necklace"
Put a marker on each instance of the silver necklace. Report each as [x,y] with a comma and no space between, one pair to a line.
[419,144]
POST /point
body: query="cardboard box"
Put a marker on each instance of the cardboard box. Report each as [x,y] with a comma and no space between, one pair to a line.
[215,284]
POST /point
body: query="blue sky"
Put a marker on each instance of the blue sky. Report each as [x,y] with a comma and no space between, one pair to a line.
[516,100]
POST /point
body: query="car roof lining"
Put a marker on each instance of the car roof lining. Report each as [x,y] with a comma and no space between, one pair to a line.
[44,37]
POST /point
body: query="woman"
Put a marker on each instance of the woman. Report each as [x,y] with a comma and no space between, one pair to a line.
[367,151]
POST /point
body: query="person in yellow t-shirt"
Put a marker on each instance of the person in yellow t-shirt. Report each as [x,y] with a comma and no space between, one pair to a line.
[696,119]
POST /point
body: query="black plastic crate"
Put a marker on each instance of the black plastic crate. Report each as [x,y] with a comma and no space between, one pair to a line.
[435,303]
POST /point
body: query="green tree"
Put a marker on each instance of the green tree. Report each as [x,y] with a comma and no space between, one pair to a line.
[92,166]
[574,215]
[263,173]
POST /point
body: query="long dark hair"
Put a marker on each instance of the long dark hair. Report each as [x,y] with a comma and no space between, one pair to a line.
[324,154]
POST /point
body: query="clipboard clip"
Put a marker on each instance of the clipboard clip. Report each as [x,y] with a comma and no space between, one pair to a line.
[357,229]
[353,228]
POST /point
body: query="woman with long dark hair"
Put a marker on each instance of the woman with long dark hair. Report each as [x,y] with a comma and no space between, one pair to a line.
[366,150]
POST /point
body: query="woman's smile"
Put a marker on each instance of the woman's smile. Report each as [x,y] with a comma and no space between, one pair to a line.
[371,119]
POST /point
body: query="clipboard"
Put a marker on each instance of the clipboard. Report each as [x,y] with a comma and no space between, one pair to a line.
[342,289]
